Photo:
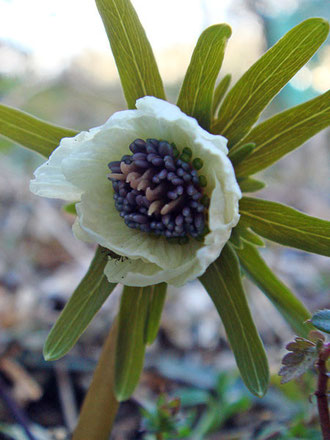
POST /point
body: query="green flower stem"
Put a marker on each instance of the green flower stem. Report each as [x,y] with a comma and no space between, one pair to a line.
[100,405]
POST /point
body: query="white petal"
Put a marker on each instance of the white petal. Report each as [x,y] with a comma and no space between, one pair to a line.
[49,178]
[132,272]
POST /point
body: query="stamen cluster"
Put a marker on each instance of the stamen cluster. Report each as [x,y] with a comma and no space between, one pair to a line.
[156,191]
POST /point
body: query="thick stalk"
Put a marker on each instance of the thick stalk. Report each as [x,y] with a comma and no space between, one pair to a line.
[321,392]
[100,405]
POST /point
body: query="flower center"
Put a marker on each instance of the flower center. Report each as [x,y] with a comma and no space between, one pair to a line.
[159,191]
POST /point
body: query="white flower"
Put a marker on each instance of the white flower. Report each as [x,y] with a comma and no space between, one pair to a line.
[77,171]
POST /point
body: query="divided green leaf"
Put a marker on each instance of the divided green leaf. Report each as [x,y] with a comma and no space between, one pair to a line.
[284,132]
[261,83]
[223,283]
[285,225]
[81,308]
[196,95]
[131,49]
[292,310]
[31,132]
[302,356]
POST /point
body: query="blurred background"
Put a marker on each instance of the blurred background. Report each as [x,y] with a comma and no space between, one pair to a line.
[55,63]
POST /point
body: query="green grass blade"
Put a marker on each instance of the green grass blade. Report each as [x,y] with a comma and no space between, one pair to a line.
[156,302]
[285,225]
[292,310]
[31,132]
[196,94]
[81,308]
[220,91]
[131,340]
[258,86]
[284,132]
[131,49]
[223,283]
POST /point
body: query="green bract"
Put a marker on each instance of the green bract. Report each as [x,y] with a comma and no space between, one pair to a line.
[253,148]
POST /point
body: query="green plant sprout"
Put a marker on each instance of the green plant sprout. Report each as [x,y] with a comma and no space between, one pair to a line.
[171,210]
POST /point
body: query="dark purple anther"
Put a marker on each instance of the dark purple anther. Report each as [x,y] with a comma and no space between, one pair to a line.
[165,149]
[153,141]
[196,196]
[157,161]
[172,195]
[114,164]
[138,146]
[115,186]
[179,220]
[166,219]
[145,202]
[139,199]
[127,159]
[131,198]
[186,211]
[138,156]
[191,190]
[141,163]
[157,192]
[140,218]
[169,164]
[151,149]
[187,177]
[163,174]
[151,156]
[199,221]
[177,181]
[171,176]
